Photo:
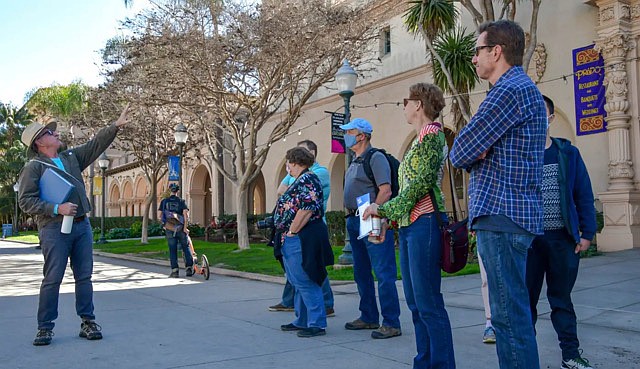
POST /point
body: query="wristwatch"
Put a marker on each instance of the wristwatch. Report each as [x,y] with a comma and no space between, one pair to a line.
[292,233]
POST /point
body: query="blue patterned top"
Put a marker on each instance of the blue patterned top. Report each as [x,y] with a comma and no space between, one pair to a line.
[511,125]
[303,194]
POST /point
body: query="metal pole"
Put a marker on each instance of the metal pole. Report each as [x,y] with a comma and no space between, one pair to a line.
[15,225]
[347,257]
[102,239]
[180,171]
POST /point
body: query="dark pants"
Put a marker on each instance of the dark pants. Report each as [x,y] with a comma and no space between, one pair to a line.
[173,239]
[57,249]
[553,254]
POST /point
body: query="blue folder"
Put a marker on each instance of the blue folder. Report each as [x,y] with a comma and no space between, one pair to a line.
[54,188]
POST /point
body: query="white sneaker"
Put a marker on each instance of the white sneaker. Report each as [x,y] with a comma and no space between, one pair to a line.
[577,363]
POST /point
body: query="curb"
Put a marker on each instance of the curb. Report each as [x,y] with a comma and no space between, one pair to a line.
[214,270]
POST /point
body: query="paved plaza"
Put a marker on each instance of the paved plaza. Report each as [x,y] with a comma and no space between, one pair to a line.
[151,321]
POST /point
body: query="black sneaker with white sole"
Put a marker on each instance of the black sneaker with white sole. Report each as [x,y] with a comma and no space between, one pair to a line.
[90,330]
[43,337]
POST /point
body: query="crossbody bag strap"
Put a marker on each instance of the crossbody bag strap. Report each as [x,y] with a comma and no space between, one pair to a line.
[59,170]
[453,197]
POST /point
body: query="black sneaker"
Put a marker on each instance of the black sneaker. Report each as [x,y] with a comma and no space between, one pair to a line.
[189,271]
[43,337]
[311,332]
[174,273]
[90,330]
[290,327]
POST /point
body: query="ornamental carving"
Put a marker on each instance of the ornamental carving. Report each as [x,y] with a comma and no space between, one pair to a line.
[607,14]
[616,82]
[635,11]
[615,46]
[625,12]
[620,169]
[540,59]
[615,214]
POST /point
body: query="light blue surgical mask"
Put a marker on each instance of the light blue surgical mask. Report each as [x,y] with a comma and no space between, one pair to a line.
[350,140]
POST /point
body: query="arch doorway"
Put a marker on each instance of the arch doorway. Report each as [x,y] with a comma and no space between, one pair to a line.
[257,193]
[200,194]
[113,206]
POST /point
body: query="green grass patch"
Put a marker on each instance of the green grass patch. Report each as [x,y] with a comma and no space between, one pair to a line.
[26,236]
[258,259]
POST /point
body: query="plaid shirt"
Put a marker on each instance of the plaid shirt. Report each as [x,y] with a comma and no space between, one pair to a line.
[510,126]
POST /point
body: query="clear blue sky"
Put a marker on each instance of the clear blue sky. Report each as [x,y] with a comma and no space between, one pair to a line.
[55,41]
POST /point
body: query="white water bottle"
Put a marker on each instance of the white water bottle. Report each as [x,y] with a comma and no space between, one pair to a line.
[67,224]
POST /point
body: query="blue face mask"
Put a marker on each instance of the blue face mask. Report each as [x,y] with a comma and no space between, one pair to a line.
[350,140]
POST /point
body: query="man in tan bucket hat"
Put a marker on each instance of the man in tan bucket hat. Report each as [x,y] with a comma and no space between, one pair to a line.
[43,143]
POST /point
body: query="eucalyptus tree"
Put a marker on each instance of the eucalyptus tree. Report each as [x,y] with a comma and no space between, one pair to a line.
[245,71]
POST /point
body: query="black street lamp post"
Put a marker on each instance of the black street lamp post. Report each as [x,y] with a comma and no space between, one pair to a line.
[103,163]
[16,187]
[346,79]
[181,135]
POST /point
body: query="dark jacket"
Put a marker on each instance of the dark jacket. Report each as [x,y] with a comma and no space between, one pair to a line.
[75,160]
[316,250]
[576,196]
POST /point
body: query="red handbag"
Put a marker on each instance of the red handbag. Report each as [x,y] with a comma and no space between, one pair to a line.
[454,236]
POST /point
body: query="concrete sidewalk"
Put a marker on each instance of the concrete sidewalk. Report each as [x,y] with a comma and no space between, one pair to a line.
[151,321]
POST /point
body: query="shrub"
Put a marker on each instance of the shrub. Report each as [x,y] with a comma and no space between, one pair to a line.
[136,229]
[118,233]
[155,229]
[336,224]
[195,230]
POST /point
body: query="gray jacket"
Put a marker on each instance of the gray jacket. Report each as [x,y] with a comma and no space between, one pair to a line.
[75,160]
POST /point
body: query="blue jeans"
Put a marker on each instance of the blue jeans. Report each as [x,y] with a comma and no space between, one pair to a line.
[180,237]
[382,259]
[289,292]
[57,249]
[308,303]
[505,259]
[420,265]
[554,256]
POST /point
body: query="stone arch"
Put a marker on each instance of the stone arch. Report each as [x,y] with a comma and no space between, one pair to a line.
[200,209]
[113,206]
[257,195]
[140,194]
[126,203]
[562,126]
[337,168]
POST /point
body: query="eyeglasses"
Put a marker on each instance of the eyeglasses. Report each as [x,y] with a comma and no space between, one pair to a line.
[46,132]
[478,48]
[405,101]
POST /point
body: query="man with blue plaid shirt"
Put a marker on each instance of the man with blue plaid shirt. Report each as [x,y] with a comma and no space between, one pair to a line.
[503,149]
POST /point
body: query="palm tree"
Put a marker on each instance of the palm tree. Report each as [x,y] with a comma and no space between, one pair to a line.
[431,18]
[456,48]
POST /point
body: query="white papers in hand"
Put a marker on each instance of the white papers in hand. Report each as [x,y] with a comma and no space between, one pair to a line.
[366,226]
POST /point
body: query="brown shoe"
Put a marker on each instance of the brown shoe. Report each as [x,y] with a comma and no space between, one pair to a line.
[358,324]
[330,312]
[386,332]
[280,307]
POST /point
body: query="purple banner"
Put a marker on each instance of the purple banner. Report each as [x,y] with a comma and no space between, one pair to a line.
[589,91]
[337,134]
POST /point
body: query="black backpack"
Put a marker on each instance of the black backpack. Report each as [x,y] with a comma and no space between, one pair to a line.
[394,164]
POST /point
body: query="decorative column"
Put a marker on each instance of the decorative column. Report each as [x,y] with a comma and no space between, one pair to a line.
[621,201]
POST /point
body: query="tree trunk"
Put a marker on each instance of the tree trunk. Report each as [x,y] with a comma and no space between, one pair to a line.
[241,217]
[144,239]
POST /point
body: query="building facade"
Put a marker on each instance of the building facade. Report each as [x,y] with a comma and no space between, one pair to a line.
[613,26]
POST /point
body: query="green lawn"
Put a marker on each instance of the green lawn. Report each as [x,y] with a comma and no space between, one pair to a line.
[28,236]
[258,259]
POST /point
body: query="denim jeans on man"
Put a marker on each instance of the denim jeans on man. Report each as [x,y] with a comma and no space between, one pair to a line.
[554,254]
[173,239]
[382,259]
[309,306]
[420,266]
[57,249]
[289,291]
[504,256]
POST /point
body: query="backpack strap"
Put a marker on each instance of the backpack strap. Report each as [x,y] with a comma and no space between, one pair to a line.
[366,162]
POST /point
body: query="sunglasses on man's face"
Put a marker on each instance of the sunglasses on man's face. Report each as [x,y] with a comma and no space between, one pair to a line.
[406,101]
[46,132]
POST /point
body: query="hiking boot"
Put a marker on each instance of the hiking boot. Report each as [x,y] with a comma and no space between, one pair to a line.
[577,363]
[489,335]
[386,332]
[311,332]
[43,337]
[359,324]
[330,312]
[280,307]
[189,271]
[289,327]
[90,330]
[175,273]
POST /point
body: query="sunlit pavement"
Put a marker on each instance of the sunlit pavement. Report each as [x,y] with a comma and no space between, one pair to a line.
[151,321]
